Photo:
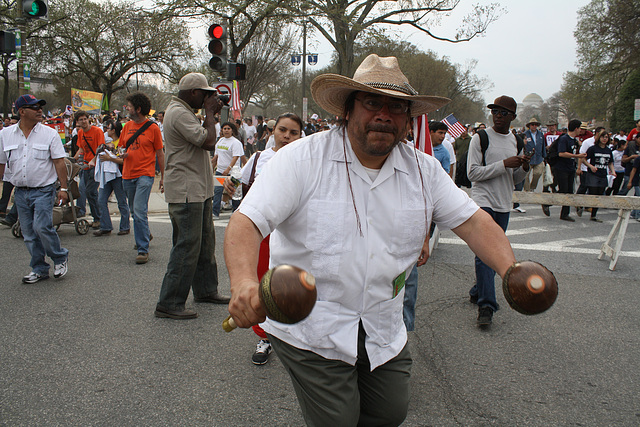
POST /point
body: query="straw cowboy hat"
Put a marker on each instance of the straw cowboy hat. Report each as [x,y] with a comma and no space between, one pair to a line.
[381,76]
[533,121]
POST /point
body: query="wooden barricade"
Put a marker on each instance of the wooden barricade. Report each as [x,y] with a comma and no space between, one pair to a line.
[625,204]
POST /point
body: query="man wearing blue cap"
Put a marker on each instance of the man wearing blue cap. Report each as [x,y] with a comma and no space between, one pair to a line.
[35,156]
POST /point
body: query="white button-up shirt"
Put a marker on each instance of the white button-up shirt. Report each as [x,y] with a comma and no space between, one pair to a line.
[302,197]
[30,159]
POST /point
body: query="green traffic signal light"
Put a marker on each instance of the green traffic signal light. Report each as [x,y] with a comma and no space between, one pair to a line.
[35,8]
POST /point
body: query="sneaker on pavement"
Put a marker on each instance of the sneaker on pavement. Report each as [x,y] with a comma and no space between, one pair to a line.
[34,277]
[142,258]
[59,270]
[485,316]
[519,209]
[567,218]
[595,219]
[261,355]
[95,225]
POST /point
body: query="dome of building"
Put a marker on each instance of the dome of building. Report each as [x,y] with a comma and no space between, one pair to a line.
[533,100]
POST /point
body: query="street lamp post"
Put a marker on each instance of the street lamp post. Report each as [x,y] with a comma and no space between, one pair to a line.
[304,71]
[296,59]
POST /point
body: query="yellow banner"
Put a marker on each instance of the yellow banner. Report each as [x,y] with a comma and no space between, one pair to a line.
[91,102]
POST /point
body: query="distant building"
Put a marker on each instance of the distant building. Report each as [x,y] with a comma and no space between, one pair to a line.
[533,100]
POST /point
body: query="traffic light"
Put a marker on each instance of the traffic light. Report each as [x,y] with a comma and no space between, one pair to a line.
[7,42]
[236,71]
[218,48]
[35,9]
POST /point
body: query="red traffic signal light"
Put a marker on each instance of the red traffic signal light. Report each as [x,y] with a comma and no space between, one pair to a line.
[218,47]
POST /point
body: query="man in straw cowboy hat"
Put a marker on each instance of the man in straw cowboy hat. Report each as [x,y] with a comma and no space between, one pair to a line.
[352,206]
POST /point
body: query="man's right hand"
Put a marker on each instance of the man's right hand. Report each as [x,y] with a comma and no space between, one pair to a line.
[212,105]
[513,162]
[245,307]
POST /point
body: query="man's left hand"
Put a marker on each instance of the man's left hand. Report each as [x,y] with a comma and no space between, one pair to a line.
[161,185]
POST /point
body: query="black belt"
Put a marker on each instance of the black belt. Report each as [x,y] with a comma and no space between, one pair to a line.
[34,188]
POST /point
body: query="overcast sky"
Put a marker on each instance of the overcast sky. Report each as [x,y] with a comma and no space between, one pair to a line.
[527,50]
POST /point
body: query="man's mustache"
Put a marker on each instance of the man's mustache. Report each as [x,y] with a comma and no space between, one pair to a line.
[381,127]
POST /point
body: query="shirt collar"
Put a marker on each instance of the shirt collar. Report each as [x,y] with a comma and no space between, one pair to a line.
[395,161]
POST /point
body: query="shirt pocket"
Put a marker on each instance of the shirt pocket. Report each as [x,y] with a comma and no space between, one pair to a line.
[409,231]
[40,152]
[11,153]
[327,237]
[319,329]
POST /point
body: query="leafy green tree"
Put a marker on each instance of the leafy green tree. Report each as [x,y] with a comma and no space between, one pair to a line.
[608,51]
[107,46]
[622,117]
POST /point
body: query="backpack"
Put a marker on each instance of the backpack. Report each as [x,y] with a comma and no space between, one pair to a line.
[484,144]
[552,152]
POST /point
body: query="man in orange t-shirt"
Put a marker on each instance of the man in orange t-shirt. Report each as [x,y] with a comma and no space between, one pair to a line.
[139,167]
[89,139]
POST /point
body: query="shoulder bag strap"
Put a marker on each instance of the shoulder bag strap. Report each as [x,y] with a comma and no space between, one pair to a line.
[138,133]
[252,177]
[88,145]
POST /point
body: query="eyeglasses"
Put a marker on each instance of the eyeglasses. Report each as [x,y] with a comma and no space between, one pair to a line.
[503,113]
[395,107]
[34,107]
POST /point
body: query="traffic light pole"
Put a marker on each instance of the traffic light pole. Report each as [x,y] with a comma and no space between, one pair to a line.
[21,51]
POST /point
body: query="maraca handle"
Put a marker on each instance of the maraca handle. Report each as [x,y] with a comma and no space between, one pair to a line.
[229,324]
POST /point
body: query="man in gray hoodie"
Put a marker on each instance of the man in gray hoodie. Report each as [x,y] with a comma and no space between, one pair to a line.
[493,174]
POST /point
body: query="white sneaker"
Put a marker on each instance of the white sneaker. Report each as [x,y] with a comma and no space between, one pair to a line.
[59,270]
[519,209]
[34,277]
[261,355]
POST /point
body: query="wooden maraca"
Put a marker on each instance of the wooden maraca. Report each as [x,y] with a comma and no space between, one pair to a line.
[287,295]
[529,287]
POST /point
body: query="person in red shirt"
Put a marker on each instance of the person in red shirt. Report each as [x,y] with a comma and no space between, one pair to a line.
[142,141]
[633,132]
[89,139]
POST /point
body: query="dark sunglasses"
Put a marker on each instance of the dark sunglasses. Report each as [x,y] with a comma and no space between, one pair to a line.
[502,113]
[34,107]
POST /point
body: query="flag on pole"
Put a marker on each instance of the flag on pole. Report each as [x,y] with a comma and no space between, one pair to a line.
[236,109]
[421,136]
[455,127]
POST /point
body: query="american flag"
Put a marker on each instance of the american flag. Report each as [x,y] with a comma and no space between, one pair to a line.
[236,109]
[455,128]
[421,135]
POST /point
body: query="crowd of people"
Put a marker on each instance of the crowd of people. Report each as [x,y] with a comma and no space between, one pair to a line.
[581,161]
[352,203]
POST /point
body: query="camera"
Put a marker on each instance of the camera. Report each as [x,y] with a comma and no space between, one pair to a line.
[224,97]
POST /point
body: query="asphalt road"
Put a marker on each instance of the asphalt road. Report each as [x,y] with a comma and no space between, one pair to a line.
[87,350]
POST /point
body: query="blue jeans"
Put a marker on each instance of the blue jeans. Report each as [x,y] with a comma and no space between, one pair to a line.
[624,190]
[115,185]
[636,213]
[35,210]
[217,197]
[485,277]
[138,191]
[89,191]
[192,262]
[410,297]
